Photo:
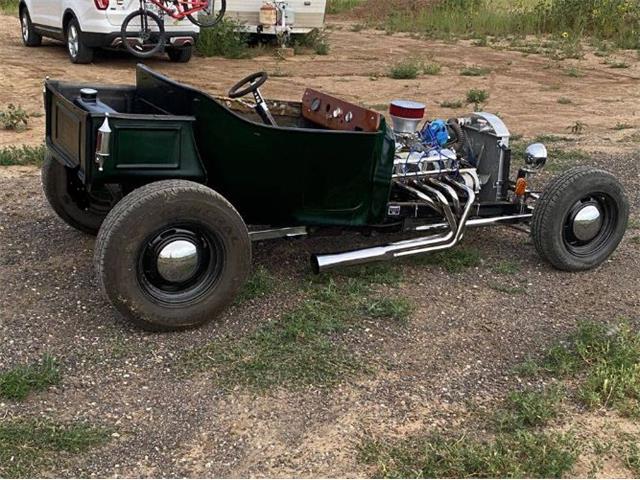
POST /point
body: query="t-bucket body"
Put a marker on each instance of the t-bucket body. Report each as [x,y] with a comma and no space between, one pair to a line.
[292,174]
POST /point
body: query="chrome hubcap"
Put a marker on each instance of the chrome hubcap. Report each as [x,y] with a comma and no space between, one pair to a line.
[587,223]
[73,40]
[178,261]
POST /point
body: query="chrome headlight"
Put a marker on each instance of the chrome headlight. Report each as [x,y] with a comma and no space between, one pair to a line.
[535,157]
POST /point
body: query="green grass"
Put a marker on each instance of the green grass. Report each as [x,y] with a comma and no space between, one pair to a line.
[29,448]
[506,267]
[565,22]
[574,72]
[406,69]
[528,409]
[622,126]
[341,6]
[260,283]
[316,41]
[303,346]
[521,454]
[453,261]
[608,358]
[9,7]
[392,308]
[22,155]
[475,71]
[18,382]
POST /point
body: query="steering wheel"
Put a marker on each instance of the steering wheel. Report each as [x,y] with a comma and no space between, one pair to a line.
[253,82]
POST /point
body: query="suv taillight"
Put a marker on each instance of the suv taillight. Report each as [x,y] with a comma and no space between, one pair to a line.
[101,4]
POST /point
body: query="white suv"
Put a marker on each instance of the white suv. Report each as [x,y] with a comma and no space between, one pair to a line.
[84,25]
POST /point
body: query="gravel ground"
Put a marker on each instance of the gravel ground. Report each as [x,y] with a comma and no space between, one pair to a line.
[459,347]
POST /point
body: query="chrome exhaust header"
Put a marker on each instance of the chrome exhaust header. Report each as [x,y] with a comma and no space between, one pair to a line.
[323,263]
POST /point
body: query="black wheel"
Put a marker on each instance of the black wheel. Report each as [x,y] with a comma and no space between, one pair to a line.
[179,55]
[172,254]
[29,36]
[580,219]
[76,48]
[72,203]
[143,33]
[212,14]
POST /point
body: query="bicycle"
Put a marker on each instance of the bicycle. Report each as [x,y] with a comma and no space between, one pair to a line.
[143,33]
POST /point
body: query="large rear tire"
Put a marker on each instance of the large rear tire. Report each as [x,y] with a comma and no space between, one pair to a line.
[67,197]
[580,219]
[172,254]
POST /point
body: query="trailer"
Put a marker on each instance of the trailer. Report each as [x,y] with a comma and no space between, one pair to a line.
[275,17]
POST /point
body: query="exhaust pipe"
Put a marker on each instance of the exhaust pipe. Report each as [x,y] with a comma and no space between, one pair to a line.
[404,248]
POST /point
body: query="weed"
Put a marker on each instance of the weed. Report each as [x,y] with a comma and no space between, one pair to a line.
[223,40]
[406,69]
[9,7]
[432,68]
[358,27]
[475,71]
[392,308]
[27,448]
[477,97]
[529,409]
[341,6]
[632,456]
[506,267]
[452,104]
[520,454]
[260,283]
[616,64]
[17,383]
[577,128]
[622,126]
[316,40]
[453,261]
[23,155]
[574,72]
[508,289]
[565,101]
[14,118]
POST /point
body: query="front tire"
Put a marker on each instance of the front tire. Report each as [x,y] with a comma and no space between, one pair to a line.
[172,254]
[29,36]
[78,51]
[67,197]
[580,219]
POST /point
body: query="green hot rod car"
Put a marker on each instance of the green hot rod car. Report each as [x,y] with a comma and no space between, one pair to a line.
[169,178]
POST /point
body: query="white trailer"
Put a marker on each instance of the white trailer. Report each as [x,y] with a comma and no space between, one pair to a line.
[301,16]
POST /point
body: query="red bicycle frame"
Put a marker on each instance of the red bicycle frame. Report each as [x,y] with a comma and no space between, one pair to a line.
[184,7]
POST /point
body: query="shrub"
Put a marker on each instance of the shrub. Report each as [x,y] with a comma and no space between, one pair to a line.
[224,40]
[14,118]
[406,69]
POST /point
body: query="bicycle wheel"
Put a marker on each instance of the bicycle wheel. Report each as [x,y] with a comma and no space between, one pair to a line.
[210,15]
[143,33]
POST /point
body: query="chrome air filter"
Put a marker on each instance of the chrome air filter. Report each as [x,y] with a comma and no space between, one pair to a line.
[406,115]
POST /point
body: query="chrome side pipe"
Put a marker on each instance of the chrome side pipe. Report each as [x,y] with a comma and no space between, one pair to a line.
[323,263]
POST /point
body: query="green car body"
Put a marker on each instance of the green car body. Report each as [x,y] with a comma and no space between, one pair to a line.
[293,174]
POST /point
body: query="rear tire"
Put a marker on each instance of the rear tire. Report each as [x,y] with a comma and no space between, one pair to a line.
[78,51]
[29,36]
[148,29]
[580,219]
[58,181]
[210,19]
[172,254]
[179,55]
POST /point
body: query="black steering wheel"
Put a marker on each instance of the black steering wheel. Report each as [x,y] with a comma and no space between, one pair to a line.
[253,82]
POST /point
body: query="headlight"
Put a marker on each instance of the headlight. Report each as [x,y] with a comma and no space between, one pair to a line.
[535,157]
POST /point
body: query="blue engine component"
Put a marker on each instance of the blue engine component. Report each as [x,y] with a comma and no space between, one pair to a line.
[436,134]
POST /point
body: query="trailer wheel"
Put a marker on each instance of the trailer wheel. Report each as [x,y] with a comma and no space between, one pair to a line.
[580,219]
[172,254]
[67,197]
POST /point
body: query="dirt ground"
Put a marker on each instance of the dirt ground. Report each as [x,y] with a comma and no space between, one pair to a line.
[461,343]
